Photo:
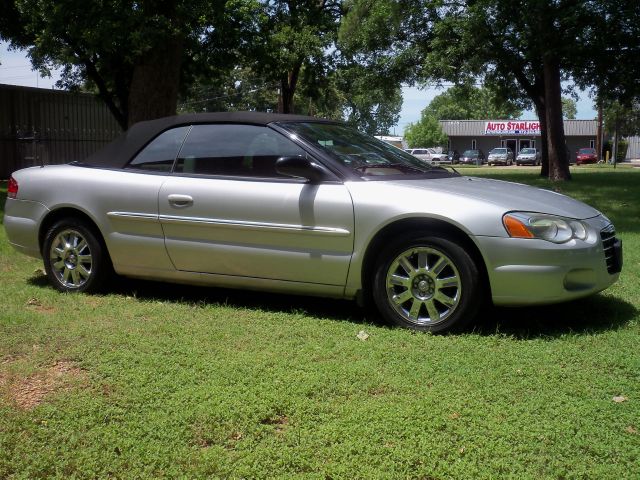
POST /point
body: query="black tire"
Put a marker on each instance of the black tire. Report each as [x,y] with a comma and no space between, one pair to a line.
[75,257]
[457,283]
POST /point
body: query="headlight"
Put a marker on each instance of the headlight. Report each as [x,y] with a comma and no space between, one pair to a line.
[545,227]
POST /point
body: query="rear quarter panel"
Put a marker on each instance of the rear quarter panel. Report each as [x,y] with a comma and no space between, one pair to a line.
[99,193]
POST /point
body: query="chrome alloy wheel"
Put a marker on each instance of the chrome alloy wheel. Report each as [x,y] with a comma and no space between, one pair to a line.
[423,286]
[70,258]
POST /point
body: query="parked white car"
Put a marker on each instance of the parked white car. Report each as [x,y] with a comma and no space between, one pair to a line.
[434,155]
[423,154]
[438,155]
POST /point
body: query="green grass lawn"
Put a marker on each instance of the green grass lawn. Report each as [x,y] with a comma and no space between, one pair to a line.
[156,380]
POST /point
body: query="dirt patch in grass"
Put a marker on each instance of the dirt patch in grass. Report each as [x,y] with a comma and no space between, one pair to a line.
[279,422]
[27,393]
[36,305]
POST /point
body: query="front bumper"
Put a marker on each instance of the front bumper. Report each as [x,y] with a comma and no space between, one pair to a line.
[537,272]
[526,160]
[581,161]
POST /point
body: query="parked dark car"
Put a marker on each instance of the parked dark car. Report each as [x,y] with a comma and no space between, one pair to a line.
[473,157]
[586,155]
[454,156]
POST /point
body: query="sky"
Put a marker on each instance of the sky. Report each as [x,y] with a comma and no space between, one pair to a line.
[15,69]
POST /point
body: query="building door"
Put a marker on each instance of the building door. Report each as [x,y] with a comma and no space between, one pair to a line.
[512,144]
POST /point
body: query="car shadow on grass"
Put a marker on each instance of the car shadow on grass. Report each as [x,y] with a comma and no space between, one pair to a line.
[334,309]
[590,315]
[598,313]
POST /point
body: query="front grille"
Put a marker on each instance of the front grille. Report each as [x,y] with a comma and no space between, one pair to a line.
[608,236]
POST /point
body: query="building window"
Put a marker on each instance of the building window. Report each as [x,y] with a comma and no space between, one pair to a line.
[592,143]
[473,144]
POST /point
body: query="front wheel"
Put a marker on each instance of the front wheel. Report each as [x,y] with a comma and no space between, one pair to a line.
[74,257]
[427,283]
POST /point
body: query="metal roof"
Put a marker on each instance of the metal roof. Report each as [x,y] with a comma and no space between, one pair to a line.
[476,128]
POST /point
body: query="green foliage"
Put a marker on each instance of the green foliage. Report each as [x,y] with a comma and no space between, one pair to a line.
[102,46]
[425,133]
[187,382]
[371,102]
[239,89]
[460,102]
[623,119]
[522,57]
[623,146]
[611,60]
[290,37]
[467,102]
[293,59]
[569,108]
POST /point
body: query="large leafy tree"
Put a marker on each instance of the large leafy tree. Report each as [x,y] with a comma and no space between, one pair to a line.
[425,133]
[133,54]
[569,108]
[370,101]
[468,102]
[460,102]
[524,56]
[293,37]
[350,93]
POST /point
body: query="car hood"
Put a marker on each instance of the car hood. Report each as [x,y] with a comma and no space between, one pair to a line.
[510,196]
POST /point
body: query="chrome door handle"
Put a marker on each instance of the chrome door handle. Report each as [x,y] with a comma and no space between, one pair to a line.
[180,201]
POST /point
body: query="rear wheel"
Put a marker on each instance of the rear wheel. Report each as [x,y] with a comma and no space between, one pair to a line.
[427,283]
[74,257]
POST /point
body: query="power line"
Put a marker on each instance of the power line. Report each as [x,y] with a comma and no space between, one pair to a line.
[26,65]
[238,94]
[18,77]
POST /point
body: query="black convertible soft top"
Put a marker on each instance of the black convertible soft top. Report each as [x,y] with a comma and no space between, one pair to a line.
[118,153]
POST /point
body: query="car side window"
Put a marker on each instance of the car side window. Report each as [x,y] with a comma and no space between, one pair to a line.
[234,150]
[161,152]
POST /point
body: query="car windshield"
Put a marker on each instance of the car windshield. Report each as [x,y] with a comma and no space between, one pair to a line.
[499,151]
[587,151]
[528,150]
[365,155]
[470,153]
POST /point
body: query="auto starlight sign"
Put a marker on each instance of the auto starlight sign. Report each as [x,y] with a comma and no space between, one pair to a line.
[512,127]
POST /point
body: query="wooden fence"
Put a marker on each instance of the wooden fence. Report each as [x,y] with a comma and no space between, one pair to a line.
[41,127]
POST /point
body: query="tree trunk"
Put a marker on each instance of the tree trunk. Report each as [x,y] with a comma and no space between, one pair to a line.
[154,86]
[557,148]
[599,132]
[616,139]
[544,153]
[288,85]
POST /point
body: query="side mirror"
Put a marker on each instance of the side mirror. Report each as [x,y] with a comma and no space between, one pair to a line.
[301,167]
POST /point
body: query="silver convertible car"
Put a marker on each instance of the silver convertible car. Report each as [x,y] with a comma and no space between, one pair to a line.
[306,206]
